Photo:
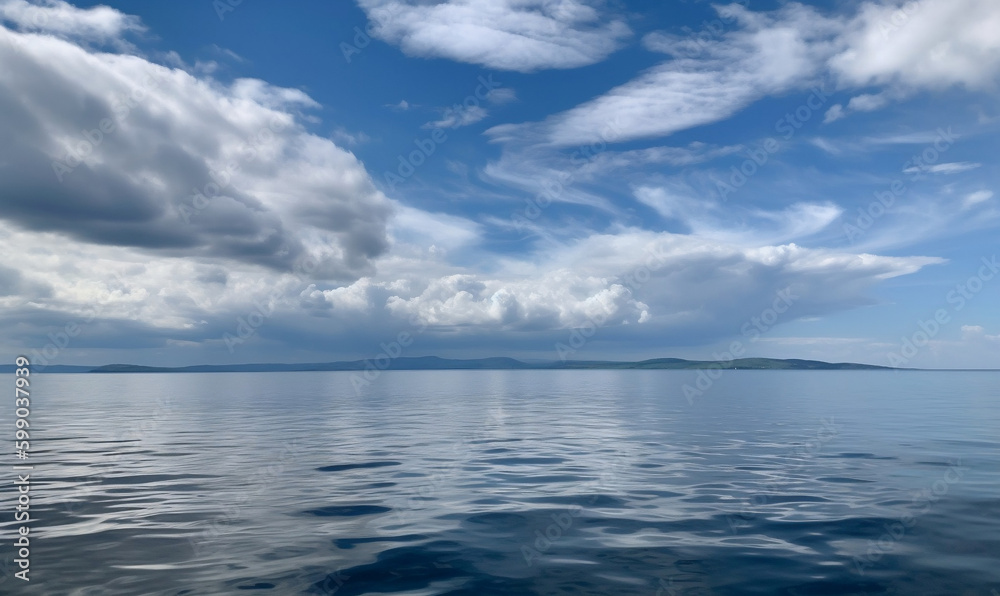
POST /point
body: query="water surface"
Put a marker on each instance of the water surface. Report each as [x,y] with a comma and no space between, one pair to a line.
[514,482]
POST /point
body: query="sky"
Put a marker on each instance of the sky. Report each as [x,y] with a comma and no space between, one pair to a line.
[206,182]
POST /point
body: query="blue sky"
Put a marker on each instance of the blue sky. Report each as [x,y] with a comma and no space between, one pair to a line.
[618,180]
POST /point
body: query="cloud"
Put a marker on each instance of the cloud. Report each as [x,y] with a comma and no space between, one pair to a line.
[112,149]
[943,168]
[709,220]
[439,230]
[975,198]
[867,102]
[930,44]
[501,95]
[691,284]
[862,103]
[771,53]
[458,117]
[343,137]
[56,17]
[836,112]
[576,176]
[518,35]
[943,43]
[561,299]
[461,115]
[977,333]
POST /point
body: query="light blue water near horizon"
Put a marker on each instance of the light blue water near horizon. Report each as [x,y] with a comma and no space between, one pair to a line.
[512,482]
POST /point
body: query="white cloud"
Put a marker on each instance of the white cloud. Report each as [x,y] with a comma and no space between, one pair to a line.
[943,168]
[668,204]
[424,229]
[978,333]
[343,137]
[927,44]
[868,102]
[56,17]
[458,117]
[944,43]
[518,35]
[975,198]
[596,278]
[501,95]
[825,145]
[283,193]
[354,297]
[771,53]
[836,112]
[559,299]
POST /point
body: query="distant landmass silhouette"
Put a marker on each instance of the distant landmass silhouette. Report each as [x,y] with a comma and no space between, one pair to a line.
[436,363]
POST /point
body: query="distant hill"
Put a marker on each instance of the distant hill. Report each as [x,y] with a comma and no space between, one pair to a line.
[55,368]
[436,363]
[419,363]
[738,364]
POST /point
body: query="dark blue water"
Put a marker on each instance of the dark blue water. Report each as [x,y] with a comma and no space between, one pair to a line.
[521,482]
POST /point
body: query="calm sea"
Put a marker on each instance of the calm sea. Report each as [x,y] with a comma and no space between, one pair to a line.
[512,482]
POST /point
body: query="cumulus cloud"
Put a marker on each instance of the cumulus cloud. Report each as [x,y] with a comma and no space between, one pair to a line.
[636,277]
[112,149]
[924,44]
[518,35]
[560,299]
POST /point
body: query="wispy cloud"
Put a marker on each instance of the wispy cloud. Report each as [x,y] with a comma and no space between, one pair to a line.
[458,117]
[519,35]
[943,168]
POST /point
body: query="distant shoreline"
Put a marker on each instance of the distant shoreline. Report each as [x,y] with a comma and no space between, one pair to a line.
[436,363]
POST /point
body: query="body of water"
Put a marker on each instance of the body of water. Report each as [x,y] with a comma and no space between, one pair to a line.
[512,482]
